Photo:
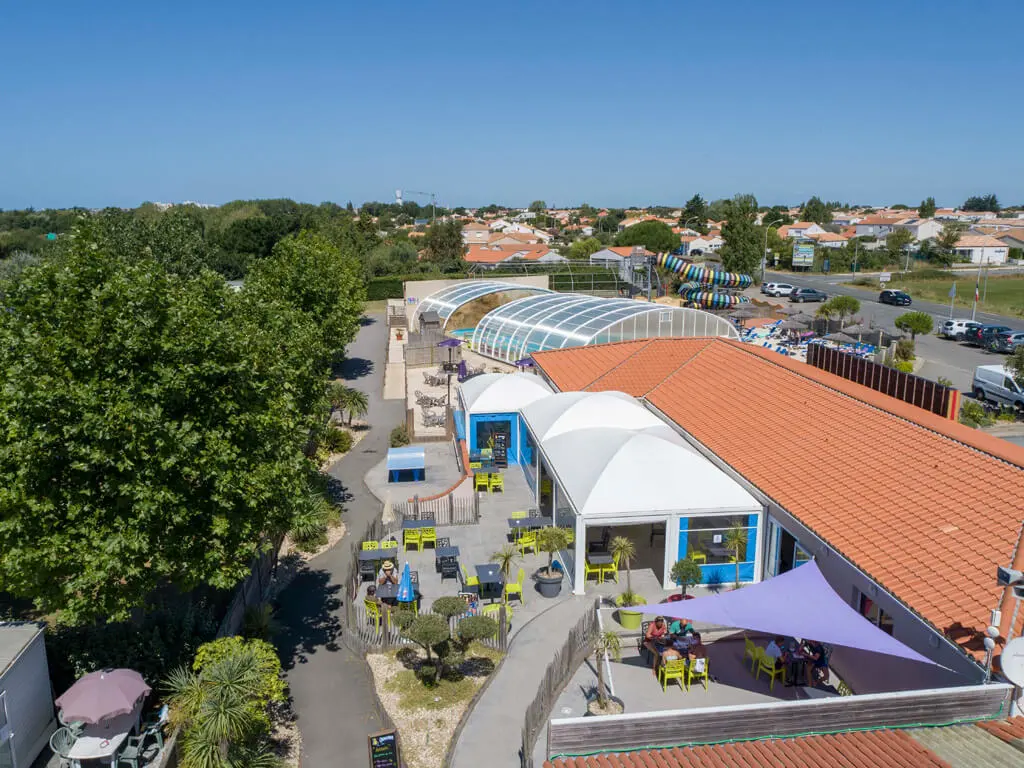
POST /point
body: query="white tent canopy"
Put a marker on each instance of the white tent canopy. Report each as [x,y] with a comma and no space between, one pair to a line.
[569,411]
[618,473]
[502,392]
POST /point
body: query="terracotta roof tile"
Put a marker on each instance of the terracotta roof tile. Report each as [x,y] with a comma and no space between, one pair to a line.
[863,749]
[893,487]
[1009,730]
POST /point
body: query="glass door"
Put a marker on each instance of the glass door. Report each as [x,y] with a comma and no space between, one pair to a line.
[6,747]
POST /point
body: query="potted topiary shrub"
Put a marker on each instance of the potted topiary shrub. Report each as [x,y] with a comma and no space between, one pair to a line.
[551,540]
[605,644]
[623,551]
[686,573]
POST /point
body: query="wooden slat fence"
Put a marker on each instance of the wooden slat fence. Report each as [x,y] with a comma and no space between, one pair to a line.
[561,669]
[387,635]
[444,510]
[617,733]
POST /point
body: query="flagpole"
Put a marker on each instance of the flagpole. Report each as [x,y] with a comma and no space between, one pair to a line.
[952,296]
[977,285]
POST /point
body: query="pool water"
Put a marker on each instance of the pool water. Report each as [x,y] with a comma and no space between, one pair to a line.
[462,333]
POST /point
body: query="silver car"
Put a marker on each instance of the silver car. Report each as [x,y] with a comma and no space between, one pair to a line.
[1007,341]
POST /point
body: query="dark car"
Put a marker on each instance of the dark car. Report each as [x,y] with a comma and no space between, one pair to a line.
[896,298]
[983,335]
[1008,341]
[807,294]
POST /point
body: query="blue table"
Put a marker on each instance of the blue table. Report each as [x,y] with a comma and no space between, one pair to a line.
[410,524]
[378,554]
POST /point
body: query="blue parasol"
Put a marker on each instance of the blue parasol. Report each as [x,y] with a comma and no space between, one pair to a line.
[406,594]
[525,362]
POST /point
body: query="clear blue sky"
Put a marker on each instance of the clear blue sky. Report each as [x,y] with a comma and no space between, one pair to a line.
[114,103]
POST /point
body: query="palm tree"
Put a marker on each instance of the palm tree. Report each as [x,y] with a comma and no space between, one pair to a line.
[506,557]
[606,643]
[736,542]
[356,403]
[623,550]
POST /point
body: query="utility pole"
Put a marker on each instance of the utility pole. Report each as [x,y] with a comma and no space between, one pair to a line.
[984,294]
[764,251]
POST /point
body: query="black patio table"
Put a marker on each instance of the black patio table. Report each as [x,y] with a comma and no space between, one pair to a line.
[529,522]
[600,558]
[389,592]
[491,579]
[408,524]
[442,552]
[378,554]
[719,551]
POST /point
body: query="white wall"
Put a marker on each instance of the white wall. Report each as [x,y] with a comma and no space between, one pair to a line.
[29,706]
[985,254]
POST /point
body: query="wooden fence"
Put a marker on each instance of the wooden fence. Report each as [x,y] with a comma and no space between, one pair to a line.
[618,733]
[386,634]
[561,669]
[443,510]
[941,400]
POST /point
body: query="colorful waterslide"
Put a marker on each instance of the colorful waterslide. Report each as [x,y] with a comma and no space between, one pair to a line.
[705,287]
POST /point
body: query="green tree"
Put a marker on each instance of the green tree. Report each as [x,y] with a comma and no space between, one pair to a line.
[607,643]
[841,307]
[655,236]
[778,215]
[506,557]
[926,209]
[743,243]
[582,249]
[538,206]
[815,210]
[350,400]
[686,573]
[981,203]
[309,274]
[695,214]
[945,243]
[915,323]
[221,704]
[718,210]
[623,550]
[896,242]
[154,430]
[444,246]
[1015,364]
[552,540]
[736,542]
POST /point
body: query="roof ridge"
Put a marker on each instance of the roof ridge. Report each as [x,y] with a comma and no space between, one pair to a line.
[681,365]
[622,362]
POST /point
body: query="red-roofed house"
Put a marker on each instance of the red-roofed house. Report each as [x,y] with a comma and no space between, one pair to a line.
[982,249]
[491,256]
[799,229]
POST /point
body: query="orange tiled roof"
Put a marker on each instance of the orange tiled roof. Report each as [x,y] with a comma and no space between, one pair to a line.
[979,241]
[627,250]
[858,749]
[1009,730]
[880,219]
[925,506]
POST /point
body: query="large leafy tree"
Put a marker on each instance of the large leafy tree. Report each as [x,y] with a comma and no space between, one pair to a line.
[743,239]
[896,242]
[311,275]
[815,210]
[914,323]
[444,246]
[582,249]
[655,236]
[981,203]
[695,215]
[927,208]
[945,244]
[154,427]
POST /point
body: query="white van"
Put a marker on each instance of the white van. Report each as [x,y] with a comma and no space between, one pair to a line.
[996,383]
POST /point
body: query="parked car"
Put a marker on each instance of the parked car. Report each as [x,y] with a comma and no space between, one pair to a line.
[996,384]
[957,329]
[807,294]
[1007,341]
[982,335]
[894,297]
[779,289]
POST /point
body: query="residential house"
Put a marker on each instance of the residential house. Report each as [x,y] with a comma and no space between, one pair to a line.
[512,238]
[982,249]
[828,239]
[877,225]
[695,245]
[622,258]
[921,229]
[846,219]
[490,256]
[475,233]
[1011,238]
[627,223]
[800,229]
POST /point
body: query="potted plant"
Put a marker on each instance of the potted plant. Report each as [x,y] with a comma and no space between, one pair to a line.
[399,334]
[608,644]
[736,542]
[623,550]
[551,540]
[686,573]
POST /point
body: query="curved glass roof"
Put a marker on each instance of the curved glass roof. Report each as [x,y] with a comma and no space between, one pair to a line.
[448,300]
[557,320]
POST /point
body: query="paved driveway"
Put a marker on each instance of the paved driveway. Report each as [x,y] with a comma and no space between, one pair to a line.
[331,685]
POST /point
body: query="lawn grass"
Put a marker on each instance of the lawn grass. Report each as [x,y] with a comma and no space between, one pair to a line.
[1005,294]
[452,689]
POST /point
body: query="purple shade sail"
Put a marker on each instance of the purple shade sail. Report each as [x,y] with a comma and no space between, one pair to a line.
[799,603]
[525,362]
[450,343]
[103,694]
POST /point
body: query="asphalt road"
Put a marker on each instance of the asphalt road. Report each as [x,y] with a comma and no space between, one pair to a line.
[942,357]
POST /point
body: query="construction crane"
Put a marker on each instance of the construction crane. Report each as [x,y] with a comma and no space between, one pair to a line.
[431,195]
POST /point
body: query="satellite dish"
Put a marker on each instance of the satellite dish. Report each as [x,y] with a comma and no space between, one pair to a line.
[1012,660]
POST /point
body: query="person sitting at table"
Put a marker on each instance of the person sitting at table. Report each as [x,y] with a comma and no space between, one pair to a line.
[680,627]
[775,651]
[371,594]
[388,574]
[817,664]
[697,649]
[655,639]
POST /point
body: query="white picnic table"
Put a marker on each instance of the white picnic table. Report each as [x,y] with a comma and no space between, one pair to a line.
[103,740]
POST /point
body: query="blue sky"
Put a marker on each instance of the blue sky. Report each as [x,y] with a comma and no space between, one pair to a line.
[114,103]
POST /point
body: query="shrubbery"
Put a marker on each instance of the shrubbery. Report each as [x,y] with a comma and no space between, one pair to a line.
[399,436]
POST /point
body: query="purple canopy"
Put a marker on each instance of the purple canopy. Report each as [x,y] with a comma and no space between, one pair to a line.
[799,603]
[103,694]
[449,343]
[525,362]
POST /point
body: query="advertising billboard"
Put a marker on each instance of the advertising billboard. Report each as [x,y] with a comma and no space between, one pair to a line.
[803,254]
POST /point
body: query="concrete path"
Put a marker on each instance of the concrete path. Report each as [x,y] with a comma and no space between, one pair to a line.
[330,684]
[492,735]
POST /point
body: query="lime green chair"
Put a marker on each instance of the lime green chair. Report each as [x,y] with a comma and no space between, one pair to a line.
[593,570]
[481,481]
[411,538]
[672,669]
[528,541]
[699,669]
[766,664]
[476,465]
[372,611]
[369,546]
[428,536]
[611,569]
[844,689]
[699,557]
[497,482]
[469,581]
[751,650]
[520,515]
[516,587]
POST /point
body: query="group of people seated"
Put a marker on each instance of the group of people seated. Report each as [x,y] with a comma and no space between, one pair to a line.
[675,640]
[806,660]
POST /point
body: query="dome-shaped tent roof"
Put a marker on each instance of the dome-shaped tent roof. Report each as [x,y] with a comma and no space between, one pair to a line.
[568,411]
[615,472]
[502,392]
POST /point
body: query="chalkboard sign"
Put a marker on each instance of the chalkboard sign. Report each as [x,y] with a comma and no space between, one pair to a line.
[384,750]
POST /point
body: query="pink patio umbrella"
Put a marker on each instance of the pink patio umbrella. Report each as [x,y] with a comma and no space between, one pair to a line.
[103,694]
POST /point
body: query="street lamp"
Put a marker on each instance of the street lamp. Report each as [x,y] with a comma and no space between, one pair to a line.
[764,251]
